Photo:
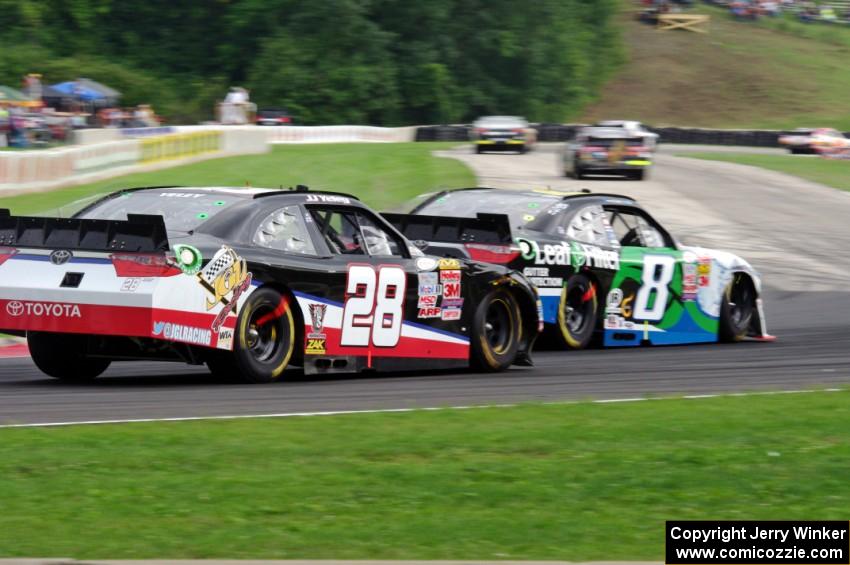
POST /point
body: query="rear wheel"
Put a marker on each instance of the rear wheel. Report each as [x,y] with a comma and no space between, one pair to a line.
[578,172]
[264,341]
[637,175]
[737,308]
[479,149]
[577,312]
[62,356]
[497,331]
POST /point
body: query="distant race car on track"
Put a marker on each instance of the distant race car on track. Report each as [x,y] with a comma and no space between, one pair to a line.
[811,141]
[250,281]
[602,265]
[635,129]
[606,151]
[503,133]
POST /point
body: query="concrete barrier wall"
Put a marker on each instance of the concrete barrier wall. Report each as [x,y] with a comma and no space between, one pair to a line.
[105,153]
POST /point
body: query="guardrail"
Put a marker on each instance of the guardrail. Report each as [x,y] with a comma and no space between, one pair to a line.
[565,132]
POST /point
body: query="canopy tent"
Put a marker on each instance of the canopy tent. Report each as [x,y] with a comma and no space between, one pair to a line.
[81,90]
[13,97]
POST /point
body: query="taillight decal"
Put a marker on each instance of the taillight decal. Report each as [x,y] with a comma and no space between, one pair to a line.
[143,265]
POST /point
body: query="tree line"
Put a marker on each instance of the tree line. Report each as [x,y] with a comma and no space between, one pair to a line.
[383,62]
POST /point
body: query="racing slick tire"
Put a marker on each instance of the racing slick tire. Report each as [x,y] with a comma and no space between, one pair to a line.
[637,175]
[577,312]
[737,309]
[62,356]
[496,332]
[479,149]
[264,341]
[578,173]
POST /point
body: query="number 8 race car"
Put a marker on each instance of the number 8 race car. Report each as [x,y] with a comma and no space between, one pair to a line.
[254,280]
[602,265]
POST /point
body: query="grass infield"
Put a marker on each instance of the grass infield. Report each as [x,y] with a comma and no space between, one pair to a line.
[834,173]
[577,482]
[381,174]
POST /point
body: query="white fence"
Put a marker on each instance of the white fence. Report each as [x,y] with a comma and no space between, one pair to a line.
[109,153]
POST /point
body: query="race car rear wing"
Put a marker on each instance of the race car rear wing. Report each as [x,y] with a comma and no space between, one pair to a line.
[138,233]
[490,229]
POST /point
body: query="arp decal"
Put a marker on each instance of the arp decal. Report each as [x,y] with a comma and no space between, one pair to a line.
[429,312]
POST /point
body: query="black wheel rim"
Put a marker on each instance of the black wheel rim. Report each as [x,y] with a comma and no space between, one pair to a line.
[740,303]
[498,326]
[578,309]
[262,339]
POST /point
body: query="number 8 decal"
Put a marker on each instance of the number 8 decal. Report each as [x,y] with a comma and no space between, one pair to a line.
[373,306]
[657,273]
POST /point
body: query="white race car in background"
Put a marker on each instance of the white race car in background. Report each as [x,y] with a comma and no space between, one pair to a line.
[503,133]
[635,129]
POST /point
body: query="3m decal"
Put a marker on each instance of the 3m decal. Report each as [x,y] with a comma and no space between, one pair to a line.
[374,304]
[657,274]
[451,283]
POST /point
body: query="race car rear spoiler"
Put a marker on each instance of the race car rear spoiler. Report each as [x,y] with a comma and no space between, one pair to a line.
[138,233]
[491,229]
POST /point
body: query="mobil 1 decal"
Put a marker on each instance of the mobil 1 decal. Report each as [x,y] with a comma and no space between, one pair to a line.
[650,300]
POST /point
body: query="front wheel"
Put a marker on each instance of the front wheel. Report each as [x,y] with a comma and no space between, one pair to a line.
[497,331]
[62,356]
[577,312]
[737,309]
[264,341]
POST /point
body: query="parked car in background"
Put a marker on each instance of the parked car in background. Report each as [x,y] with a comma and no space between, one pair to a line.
[503,133]
[274,117]
[810,140]
[635,129]
[606,151]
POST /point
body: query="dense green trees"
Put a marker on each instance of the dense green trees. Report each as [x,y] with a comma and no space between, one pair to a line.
[330,61]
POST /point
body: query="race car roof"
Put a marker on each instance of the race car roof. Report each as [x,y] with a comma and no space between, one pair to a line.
[555,194]
[245,192]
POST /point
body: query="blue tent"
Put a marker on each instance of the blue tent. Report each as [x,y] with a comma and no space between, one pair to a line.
[79,91]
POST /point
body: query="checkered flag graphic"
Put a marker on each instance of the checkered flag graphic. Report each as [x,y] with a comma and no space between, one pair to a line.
[223,259]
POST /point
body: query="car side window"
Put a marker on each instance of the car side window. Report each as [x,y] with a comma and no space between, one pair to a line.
[349,232]
[284,230]
[590,225]
[632,229]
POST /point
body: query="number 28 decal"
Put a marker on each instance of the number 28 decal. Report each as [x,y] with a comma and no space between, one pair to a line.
[374,306]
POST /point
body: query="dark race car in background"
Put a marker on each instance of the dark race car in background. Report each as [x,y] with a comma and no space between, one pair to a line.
[250,281]
[606,151]
[503,133]
[602,265]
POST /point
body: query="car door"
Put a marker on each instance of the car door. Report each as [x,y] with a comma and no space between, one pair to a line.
[653,297]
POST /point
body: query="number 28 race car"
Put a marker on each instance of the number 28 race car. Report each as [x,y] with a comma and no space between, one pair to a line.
[602,265]
[250,281]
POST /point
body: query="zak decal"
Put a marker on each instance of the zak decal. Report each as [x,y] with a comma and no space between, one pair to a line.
[224,278]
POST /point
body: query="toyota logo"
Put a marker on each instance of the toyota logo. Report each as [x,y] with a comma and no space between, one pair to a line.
[15,308]
[60,256]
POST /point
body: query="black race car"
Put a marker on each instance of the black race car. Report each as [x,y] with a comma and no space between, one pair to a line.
[250,281]
[602,265]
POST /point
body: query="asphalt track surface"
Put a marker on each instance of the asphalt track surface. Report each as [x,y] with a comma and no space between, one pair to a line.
[794,232]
